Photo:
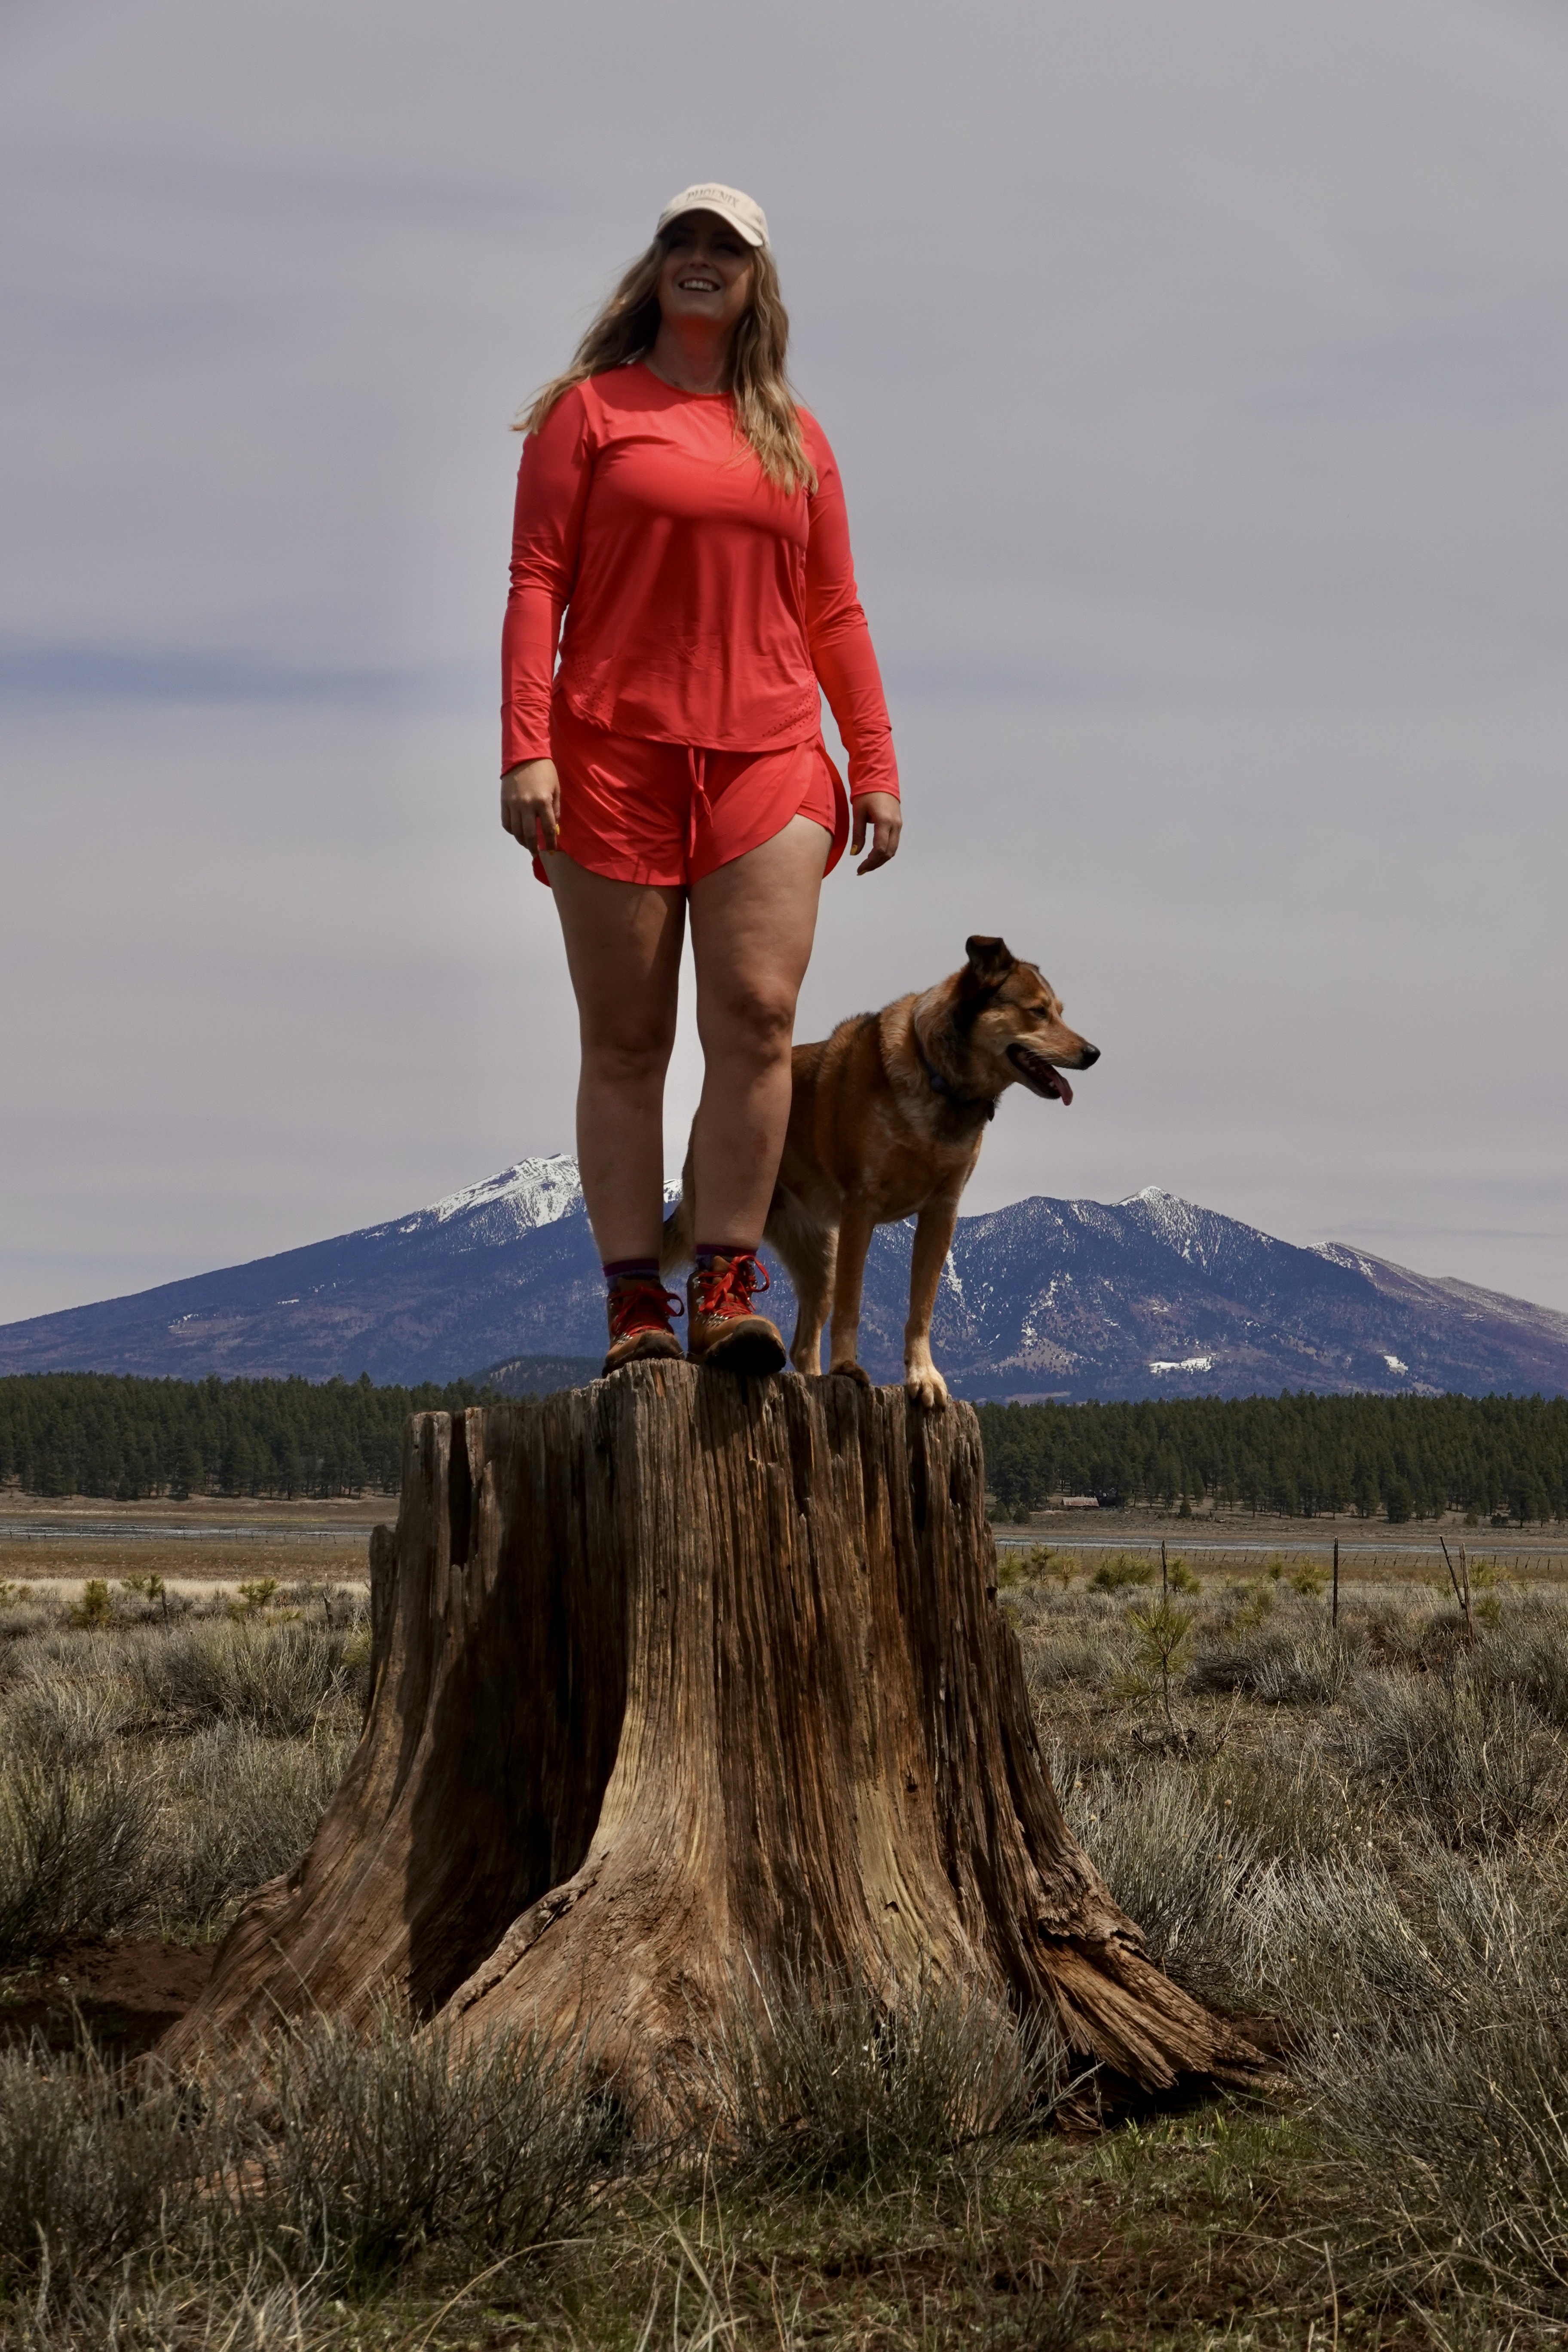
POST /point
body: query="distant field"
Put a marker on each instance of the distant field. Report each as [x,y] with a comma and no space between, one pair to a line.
[209,1539]
[1407,1555]
[191,1564]
[239,1513]
[199,1542]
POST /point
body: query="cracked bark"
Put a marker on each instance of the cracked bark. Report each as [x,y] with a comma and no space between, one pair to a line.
[678,1677]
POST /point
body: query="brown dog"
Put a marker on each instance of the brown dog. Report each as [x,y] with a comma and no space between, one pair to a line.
[887,1123]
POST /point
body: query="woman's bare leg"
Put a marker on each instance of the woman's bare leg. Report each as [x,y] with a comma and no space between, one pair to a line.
[623,950]
[752,923]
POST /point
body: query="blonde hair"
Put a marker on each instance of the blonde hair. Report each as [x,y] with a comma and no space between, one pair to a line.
[765,411]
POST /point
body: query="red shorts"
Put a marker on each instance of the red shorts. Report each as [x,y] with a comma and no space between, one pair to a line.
[637,811]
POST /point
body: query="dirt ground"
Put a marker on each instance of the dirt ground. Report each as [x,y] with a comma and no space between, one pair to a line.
[205,1541]
[125,1991]
[241,1513]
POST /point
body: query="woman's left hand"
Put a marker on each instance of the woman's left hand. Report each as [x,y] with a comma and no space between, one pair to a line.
[881,813]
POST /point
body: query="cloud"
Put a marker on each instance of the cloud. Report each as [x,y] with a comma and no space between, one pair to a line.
[76,677]
[1198,378]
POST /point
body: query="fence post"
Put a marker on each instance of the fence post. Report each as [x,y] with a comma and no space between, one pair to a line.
[1335,1618]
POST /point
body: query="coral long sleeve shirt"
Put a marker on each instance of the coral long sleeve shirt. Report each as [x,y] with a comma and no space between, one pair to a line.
[703,605]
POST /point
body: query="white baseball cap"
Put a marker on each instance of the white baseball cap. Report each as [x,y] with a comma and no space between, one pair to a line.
[728,202]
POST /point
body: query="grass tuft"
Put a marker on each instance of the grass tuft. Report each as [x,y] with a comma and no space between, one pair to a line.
[279,1679]
[1174,1862]
[1281,1666]
[1120,1571]
[1473,1760]
[245,1809]
[331,2159]
[383,2145]
[824,2085]
[92,2167]
[1449,2111]
[75,1841]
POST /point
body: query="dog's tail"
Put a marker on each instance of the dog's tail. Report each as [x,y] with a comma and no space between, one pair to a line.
[677,1242]
[677,1245]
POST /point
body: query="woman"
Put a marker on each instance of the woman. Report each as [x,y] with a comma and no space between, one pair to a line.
[687,517]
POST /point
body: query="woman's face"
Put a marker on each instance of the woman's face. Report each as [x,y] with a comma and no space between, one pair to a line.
[706,272]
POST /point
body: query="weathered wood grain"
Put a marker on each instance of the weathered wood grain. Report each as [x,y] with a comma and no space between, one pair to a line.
[680,1678]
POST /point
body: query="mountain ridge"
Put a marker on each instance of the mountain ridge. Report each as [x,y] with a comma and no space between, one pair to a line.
[1145,1297]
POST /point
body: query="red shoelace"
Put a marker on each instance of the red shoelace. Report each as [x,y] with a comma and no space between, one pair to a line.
[641,1306]
[727,1290]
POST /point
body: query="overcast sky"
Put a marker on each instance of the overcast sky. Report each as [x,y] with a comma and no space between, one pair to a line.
[1198,372]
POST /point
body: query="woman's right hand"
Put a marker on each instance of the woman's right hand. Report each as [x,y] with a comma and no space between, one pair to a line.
[531,804]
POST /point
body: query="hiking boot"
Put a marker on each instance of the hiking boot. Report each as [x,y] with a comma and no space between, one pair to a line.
[640,1312]
[722,1327]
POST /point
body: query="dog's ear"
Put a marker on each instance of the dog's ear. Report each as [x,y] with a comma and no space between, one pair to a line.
[989,960]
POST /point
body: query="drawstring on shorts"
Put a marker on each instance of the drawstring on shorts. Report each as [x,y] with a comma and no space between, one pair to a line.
[700,811]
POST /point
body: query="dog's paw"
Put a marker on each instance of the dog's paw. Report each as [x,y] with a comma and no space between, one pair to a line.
[851,1371]
[924,1385]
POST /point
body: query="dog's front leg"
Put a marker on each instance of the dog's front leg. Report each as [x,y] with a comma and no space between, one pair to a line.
[856,1229]
[933,1239]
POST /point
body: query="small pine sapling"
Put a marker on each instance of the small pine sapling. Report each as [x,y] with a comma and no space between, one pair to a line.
[1247,1609]
[1486,1578]
[255,1596]
[1164,1633]
[150,1589]
[95,1608]
[1115,1574]
[1043,1561]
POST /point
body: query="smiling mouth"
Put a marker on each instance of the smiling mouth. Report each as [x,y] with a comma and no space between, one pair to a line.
[698,285]
[1041,1077]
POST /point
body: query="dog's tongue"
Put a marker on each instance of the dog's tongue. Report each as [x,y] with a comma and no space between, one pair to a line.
[1063,1089]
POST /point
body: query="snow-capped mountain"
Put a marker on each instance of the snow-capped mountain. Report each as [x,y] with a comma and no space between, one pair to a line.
[529,1193]
[1154,1296]
[1150,1296]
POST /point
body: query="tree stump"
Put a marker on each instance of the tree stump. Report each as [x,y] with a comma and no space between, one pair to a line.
[682,1680]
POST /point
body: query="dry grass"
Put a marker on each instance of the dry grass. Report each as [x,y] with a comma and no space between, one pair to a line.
[154,1771]
[1219,1552]
[333,2158]
[820,2085]
[1355,1829]
[1359,1827]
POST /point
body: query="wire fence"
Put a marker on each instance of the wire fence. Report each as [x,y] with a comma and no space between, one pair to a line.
[1360,1559]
